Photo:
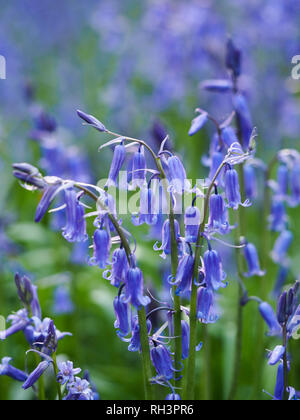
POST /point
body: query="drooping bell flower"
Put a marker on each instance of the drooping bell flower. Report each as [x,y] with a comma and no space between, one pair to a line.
[232,189]
[6,369]
[184,275]
[295,185]
[135,288]
[216,161]
[62,301]
[92,121]
[252,260]
[75,229]
[119,268]
[244,118]
[162,361]
[281,247]
[192,220]
[214,274]
[229,136]
[116,165]
[279,387]
[198,123]
[250,182]
[36,374]
[173,397]
[139,168]
[185,339]
[270,318]
[123,322]
[278,218]
[218,216]
[276,355]
[205,306]
[102,245]
[166,238]
[177,174]
[49,194]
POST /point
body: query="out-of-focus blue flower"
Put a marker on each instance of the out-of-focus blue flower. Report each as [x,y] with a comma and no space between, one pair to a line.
[75,229]
[216,161]
[6,369]
[62,301]
[96,395]
[214,274]
[278,218]
[135,288]
[102,245]
[244,118]
[283,180]
[198,123]
[280,281]
[119,268]
[205,306]
[229,136]
[233,58]
[185,339]
[281,247]
[66,372]
[295,185]
[252,260]
[162,361]
[250,182]
[217,85]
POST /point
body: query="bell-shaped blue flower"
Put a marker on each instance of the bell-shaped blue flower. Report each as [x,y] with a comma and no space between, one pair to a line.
[6,369]
[283,180]
[139,168]
[229,136]
[162,361]
[198,123]
[216,161]
[177,174]
[36,374]
[135,341]
[102,245]
[123,321]
[184,275]
[281,247]
[135,288]
[252,260]
[205,306]
[270,318]
[192,220]
[218,215]
[75,229]
[119,268]
[244,117]
[149,208]
[295,185]
[116,165]
[166,238]
[173,397]
[232,189]
[250,182]
[278,218]
[214,274]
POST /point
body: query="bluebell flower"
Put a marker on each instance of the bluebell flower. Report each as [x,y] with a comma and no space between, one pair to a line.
[37,331]
[184,276]
[135,288]
[79,390]
[75,229]
[149,208]
[279,387]
[229,136]
[278,218]
[79,253]
[276,355]
[282,309]
[96,395]
[214,274]
[29,175]
[280,281]
[19,322]
[281,247]
[270,318]
[198,123]
[92,121]
[252,260]
[36,374]
[166,238]
[205,306]
[185,339]
[139,168]
[218,215]
[250,182]
[66,372]
[162,361]
[177,174]
[232,189]
[62,301]
[27,293]
[173,397]
[116,165]
[102,246]
[244,118]
[123,321]
[119,268]
[295,185]
[49,194]
[192,220]
[6,369]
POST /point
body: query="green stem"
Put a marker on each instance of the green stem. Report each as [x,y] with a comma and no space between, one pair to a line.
[59,393]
